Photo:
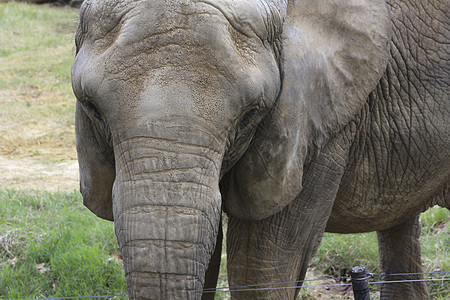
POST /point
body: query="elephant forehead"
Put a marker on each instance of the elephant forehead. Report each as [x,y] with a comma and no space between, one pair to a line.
[125,48]
[104,22]
[168,29]
[147,35]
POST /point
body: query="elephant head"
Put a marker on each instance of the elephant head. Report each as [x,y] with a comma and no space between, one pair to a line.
[177,97]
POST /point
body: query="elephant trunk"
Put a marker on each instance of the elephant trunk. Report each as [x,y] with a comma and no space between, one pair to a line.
[167,211]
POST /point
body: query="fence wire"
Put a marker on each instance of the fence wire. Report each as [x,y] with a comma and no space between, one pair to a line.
[298,284]
[75,297]
[285,285]
[317,279]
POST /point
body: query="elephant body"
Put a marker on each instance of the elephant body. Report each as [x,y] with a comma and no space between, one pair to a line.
[398,140]
[294,117]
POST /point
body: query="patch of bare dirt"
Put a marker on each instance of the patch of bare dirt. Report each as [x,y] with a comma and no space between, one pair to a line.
[329,289]
[33,173]
[37,140]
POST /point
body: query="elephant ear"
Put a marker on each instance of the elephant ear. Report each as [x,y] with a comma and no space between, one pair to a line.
[333,55]
[97,172]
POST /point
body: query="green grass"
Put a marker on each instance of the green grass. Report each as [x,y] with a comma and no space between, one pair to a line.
[435,241]
[41,39]
[52,246]
[338,253]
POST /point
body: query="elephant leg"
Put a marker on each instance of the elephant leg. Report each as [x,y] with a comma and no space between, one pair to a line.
[273,253]
[399,251]
[212,274]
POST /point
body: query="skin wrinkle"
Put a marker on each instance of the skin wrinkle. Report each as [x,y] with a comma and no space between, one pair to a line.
[125,195]
[206,132]
[128,182]
[103,136]
[167,274]
[266,22]
[226,77]
[401,246]
[265,165]
[232,19]
[170,142]
[410,87]
[164,226]
[199,155]
[105,44]
[150,207]
[141,243]
[203,214]
[196,170]
[271,19]
[171,274]
[206,128]
[172,242]
[168,181]
[113,28]
[232,153]
[162,150]
[245,28]
[127,248]
[102,129]
[409,91]
[150,52]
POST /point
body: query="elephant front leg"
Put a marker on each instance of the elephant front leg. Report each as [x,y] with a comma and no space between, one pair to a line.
[274,252]
[399,251]
[266,259]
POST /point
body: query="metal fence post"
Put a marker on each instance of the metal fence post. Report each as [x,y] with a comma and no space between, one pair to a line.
[360,284]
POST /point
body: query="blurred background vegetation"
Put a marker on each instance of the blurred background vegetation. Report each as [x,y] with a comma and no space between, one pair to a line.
[72,3]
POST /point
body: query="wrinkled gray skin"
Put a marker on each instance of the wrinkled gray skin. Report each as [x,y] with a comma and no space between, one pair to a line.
[295,117]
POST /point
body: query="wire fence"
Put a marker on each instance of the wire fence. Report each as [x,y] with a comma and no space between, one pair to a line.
[289,285]
[299,283]
[75,297]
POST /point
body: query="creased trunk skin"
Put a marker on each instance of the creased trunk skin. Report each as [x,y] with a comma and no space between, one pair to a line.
[167,212]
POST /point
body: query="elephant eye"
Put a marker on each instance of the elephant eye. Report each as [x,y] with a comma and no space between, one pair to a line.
[91,109]
[243,127]
[248,117]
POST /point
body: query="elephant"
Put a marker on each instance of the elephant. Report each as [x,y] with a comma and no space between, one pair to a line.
[294,117]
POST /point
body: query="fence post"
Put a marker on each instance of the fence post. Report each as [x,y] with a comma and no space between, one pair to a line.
[360,284]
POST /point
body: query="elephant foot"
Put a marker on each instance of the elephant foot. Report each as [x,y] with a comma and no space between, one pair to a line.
[399,251]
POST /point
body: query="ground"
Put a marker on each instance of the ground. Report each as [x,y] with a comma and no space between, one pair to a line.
[37,149]
[31,173]
[37,140]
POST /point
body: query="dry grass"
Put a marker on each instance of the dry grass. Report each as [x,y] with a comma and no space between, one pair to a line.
[37,140]
[36,102]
